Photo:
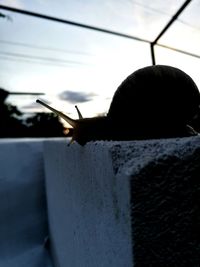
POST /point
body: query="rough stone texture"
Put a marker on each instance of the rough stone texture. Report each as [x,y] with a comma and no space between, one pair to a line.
[165,200]
[124,203]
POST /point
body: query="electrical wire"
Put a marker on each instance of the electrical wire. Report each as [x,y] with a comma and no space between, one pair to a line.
[43,59]
[32,62]
[72,23]
[46,48]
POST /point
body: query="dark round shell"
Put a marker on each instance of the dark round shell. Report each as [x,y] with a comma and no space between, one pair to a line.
[153,99]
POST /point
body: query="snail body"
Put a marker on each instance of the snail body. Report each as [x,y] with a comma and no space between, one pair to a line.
[153,102]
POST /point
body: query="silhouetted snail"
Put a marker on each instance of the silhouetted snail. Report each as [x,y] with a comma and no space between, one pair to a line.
[153,102]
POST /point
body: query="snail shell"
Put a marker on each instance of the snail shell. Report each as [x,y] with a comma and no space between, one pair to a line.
[153,102]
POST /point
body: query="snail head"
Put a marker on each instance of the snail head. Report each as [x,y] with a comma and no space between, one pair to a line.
[84,129]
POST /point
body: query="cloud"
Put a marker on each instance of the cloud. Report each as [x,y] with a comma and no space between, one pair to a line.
[11,3]
[76,97]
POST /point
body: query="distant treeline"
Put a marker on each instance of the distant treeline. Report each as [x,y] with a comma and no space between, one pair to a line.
[13,124]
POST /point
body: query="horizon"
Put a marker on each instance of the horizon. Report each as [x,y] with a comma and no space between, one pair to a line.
[71,65]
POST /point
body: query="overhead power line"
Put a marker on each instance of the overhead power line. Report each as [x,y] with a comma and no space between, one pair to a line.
[25,93]
[179,51]
[180,10]
[168,25]
[48,59]
[152,43]
[72,23]
[5,58]
[46,48]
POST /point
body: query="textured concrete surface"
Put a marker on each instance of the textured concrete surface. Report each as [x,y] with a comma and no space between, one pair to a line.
[165,199]
[124,203]
[88,207]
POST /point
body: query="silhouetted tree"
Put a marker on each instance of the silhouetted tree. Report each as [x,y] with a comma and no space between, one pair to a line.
[45,125]
[12,123]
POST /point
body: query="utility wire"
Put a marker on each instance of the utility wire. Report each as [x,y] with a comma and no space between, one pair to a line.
[72,23]
[167,26]
[48,59]
[32,62]
[172,20]
[152,44]
[43,47]
[149,8]
[179,50]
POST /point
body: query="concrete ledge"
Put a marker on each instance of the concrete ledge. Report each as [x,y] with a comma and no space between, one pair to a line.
[124,203]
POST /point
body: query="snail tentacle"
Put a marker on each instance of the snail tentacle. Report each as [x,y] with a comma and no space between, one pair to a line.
[72,122]
[79,113]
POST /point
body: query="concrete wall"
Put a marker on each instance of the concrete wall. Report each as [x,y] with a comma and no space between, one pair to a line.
[110,204]
[23,216]
[88,207]
[124,203]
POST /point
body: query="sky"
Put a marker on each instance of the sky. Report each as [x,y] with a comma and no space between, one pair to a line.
[73,65]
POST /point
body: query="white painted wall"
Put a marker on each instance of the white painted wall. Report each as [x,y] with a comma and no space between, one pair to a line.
[109,203]
[88,207]
[23,217]
[123,204]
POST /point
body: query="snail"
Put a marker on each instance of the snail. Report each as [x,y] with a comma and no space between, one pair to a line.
[153,102]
